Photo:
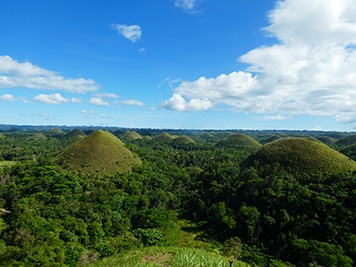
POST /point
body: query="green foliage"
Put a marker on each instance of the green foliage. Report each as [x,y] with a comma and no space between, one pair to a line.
[298,205]
[167,256]
[149,237]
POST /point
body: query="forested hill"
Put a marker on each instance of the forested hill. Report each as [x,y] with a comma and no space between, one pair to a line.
[176,197]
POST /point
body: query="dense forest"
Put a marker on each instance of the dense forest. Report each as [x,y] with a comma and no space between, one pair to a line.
[72,196]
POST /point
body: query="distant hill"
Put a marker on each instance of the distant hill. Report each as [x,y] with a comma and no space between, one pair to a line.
[348,140]
[326,140]
[349,151]
[76,133]
[56,130]
[239,140]
[100,152]
[183,139]
[38,136]
[132,135]
[302,156]
[164,137]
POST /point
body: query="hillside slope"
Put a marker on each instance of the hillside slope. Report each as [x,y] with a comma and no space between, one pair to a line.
[100,152]
[302,156]
[240,141]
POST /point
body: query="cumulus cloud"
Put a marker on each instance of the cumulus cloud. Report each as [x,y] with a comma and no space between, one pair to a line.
[130,32]
[55,99]
[7,97]
[98,101]
[186,5]
[177,102]
[132,102]
[310,70]
[25,74]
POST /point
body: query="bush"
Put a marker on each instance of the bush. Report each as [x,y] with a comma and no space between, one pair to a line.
[149,237]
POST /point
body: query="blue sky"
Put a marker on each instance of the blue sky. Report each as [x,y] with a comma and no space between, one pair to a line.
[192,64]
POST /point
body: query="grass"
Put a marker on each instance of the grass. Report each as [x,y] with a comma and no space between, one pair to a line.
[100,152]
[239,140]
[183,139]
[303,156]
[167,256]
[184,247]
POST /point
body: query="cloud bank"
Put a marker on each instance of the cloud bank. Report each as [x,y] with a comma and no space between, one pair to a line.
[16,74]
[310,70]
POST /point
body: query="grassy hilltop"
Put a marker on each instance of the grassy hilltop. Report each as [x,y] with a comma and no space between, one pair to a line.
[100,152]
[301,156]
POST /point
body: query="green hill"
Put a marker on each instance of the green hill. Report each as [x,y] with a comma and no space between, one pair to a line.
[239,140]
[38,136]
[302,156]
[132,135]
[76,133]
[146,137]
[164,138]
[349,151]
[101,152]
[326,140]
[183,139]
[347,140]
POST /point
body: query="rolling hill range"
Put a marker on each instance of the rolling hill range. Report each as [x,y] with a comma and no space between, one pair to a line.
[100,152]
[301,156]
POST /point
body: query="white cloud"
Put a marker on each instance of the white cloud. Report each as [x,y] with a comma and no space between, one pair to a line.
[177,102]
[17,74]
[311,70]
[88,111]
[132,102]
[106,95]
[273,118]
[130,32]
[98,101]
[55,99]
[7,97]
[186,5]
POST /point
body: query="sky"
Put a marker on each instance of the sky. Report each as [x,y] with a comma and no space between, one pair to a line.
[179,64]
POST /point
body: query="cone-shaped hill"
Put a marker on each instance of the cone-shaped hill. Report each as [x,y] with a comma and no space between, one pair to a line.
[301,156]
[100,152]
[164,138]
[183,139]
[239,140]
[75,134]
[132,135]
[38,136]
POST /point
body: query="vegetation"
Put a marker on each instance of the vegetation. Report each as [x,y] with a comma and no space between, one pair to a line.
[301,156]
[100,152]
[94,200]
[240,141]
